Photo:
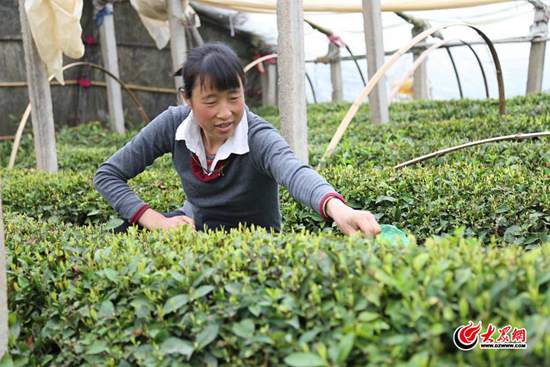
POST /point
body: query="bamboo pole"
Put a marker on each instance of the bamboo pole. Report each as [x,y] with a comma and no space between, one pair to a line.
[25,117]
[419,60]
[421,87]
[441,152]
[18,135]
[392,60]
[259,60]
[425,54]
[96,83]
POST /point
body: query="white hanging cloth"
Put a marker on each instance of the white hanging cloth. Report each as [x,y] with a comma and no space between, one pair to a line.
[154,16]
[55,27]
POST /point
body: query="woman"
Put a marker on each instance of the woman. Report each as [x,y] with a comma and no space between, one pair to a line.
[230,160]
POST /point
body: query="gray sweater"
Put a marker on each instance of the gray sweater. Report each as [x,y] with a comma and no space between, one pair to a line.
[246,193]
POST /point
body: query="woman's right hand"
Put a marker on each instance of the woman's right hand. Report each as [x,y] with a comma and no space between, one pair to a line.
[152,220]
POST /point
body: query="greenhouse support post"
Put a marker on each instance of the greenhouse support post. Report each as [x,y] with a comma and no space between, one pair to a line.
[178,47]
[539,31]
[292,97]
[378,100]
[421,87]
[41,100]
[269,84]
[335,72]
[3,287]
[110,60]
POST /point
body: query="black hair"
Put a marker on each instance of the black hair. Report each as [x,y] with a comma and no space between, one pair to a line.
[216,63]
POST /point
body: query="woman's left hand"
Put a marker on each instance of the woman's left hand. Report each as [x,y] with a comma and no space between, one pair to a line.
[350,221]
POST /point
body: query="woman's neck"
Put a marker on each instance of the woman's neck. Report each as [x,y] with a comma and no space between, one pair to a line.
[211,146]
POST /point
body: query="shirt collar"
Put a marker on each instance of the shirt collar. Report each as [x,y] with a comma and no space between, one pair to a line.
[190,132]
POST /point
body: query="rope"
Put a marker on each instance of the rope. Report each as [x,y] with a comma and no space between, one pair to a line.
[25,117]
[95,83]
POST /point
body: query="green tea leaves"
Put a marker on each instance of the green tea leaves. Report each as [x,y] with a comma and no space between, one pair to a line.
[304,360]
[244,328]
[175,303]
[207,336]
[177,346]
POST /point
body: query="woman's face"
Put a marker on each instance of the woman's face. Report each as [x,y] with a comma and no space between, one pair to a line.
[217,112]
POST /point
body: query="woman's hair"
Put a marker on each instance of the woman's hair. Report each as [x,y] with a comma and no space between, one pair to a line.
[216,63]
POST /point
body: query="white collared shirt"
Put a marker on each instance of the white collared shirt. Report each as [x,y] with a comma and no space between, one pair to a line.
[190,131]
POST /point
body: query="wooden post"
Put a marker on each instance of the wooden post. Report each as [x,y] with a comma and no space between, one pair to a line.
[378,100]
[110,61]
[178,46]
[539,29]
[536,67]
[421,88]
[3,287]
[41,100]
[292,97]
[335,72]
[269,85]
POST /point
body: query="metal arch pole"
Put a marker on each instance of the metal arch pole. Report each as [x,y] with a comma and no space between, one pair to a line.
[422,58]
[498,67]
[481,68]
[122,84]
[392,60]
[356,65]
[419,61]
[25,117]
[456,72]
[312,89]
[329,33]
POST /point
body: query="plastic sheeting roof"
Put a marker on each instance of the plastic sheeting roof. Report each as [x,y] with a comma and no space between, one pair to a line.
[346,6]
[55,24]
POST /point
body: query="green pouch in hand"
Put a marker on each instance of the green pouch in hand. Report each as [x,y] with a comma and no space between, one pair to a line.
[391,235]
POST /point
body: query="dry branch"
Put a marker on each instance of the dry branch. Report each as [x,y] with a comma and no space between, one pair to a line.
[441,152]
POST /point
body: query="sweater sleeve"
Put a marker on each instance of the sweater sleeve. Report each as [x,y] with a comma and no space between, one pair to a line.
[272,155]
[153,141]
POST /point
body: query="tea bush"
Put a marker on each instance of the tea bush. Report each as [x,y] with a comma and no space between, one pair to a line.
[508,202]
[416,128]
[307,297]
[250,298]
